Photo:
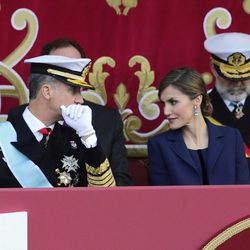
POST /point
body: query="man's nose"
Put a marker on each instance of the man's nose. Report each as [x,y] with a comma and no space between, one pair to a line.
[239,83]
[79,99]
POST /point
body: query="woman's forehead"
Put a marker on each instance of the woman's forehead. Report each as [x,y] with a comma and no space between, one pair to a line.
[171,90]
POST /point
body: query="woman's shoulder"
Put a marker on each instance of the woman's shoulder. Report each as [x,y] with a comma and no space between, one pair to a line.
[164,136]
[222,128]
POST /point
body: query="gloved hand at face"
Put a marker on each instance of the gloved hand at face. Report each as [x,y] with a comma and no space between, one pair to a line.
[79,117]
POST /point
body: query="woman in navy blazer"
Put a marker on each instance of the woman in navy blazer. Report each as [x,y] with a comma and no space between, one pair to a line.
[194,151]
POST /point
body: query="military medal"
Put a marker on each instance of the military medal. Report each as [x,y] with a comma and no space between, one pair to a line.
[70,163]
[238,111]
[69,176]
[73,144]
[64,178]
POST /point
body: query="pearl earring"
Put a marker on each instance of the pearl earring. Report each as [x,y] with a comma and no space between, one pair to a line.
[196,110]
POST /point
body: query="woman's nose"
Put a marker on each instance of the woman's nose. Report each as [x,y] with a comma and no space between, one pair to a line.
[166,110]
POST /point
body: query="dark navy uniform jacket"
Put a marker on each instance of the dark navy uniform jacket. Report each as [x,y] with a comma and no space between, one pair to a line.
[222,114]
[108,125]
[62,162]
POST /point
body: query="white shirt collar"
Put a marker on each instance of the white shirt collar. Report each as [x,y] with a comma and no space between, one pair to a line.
[230,107]
[34,123]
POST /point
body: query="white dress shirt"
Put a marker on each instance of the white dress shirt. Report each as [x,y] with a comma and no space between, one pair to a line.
[35,124]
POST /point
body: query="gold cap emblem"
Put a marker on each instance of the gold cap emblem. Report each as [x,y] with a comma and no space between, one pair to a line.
[236,59]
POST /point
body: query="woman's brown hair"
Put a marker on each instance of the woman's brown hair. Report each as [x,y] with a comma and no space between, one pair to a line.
[190,83]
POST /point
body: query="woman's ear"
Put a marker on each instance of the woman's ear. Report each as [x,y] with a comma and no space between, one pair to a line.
[46,91]
[198,100]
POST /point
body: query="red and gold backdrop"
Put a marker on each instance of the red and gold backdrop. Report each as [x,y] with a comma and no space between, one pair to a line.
[133,44]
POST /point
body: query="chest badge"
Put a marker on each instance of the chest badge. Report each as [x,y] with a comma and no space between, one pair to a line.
[64,178]
[70,163]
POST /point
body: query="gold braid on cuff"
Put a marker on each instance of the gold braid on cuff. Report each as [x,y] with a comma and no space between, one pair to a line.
[101,176]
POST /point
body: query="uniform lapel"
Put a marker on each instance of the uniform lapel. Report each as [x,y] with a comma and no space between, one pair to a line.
[28,144]
[26,141]
[246,107]
[179,147]
[215,145]
[58,141]
[228,117]
[221,108]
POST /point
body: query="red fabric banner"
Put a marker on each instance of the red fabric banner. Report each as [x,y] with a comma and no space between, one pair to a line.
[132,43]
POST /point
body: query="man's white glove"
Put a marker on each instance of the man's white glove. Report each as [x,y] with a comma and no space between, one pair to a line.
[79,117]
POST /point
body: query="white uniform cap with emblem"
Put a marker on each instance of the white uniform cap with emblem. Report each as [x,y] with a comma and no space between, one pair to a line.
[230,55]
[71,71]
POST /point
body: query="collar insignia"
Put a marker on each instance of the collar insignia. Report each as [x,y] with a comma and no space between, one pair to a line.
[73,144]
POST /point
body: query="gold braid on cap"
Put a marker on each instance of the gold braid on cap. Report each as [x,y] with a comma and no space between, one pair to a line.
[236,66]
[73,78]
[66,75]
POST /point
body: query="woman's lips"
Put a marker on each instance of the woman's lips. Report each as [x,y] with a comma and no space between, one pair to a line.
[171,119]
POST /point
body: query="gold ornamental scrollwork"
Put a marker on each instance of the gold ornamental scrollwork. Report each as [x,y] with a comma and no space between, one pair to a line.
[132,126]
[217,16]
[18,89]
[227,234]
[128,4]
[146,75]
[97,78]
[246,6]
[117,5]
[19,20]
[147,96]
[207,77]
[121,97]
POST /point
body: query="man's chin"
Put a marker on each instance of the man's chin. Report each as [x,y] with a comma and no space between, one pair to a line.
[233,95]
[239,96]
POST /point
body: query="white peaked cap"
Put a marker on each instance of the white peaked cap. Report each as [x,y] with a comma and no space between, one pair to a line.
[68,70]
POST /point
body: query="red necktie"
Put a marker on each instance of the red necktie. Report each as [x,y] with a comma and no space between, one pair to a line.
[46,133]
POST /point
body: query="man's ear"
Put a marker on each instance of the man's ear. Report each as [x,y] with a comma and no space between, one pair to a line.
[46,91]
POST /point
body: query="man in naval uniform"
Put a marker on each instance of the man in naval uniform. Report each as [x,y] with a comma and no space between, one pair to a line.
[230,64]
[106,121]
[53,143]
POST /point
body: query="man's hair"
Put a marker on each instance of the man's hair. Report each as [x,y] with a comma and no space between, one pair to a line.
[36,81]
[62,43]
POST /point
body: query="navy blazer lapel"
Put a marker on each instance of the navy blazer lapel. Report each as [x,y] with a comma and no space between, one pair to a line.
[26,141]
[179,147]
[215,144]
[28,144]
